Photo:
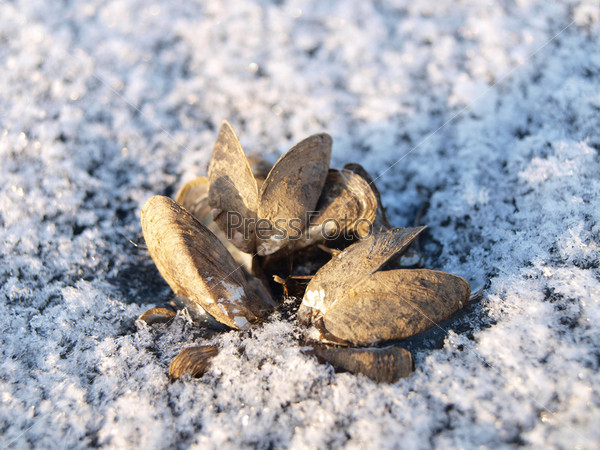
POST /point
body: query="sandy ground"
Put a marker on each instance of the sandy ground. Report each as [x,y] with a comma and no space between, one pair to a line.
[485,113]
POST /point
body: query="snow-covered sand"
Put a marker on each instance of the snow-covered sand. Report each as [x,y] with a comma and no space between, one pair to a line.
[486,113]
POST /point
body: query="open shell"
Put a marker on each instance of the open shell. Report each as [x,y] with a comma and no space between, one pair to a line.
[291,189]
[350,302]
[347,206]
[393,305]
[197,266]
[351,267]
[233,188]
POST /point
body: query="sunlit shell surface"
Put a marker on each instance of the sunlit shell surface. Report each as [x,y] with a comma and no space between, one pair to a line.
[350,302]
[393,305]
[350,267]
[232,187]
[291,189]
[196,265]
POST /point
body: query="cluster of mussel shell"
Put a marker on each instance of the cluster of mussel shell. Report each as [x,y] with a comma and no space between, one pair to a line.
[309,232]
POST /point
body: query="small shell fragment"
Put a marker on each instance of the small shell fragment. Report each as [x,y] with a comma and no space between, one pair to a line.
[383,365]
[193,361]
[197,266]
[157,315]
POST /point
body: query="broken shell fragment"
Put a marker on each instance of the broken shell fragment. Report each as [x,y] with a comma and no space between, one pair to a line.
[197,266]
[352,266]
[291,189]
[193,361]
[157,315]
[383,365]
[393,305]
[233,188]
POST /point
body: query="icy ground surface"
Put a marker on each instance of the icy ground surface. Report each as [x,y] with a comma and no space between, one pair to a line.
[104,104]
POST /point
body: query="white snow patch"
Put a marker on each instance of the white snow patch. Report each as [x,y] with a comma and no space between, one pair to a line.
[241,322]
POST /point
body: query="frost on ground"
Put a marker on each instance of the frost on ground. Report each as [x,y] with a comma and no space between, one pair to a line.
[103,104]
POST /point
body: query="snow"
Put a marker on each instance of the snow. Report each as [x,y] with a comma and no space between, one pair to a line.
[483,115]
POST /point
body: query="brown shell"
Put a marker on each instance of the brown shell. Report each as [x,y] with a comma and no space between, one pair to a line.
[383,365]
[232,188]
[193,361]
[157,315]
[347,205]
[194,197]
[381,220]
[351,267]
[196,265]
[393,305]
[292,188]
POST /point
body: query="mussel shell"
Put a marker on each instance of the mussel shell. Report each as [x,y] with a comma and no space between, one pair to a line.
[381,221]
[347,206]
[157,315]
[291,189]
[233,188]
[193,196]
[351,267]
[383,365]
[196,265]
[393,305]
[193,361]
